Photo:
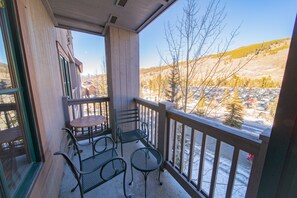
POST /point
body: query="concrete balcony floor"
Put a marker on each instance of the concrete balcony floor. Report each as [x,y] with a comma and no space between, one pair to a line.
[113,188]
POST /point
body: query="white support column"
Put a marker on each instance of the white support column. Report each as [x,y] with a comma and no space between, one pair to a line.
[122,60]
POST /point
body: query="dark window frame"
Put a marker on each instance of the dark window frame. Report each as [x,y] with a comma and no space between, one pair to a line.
[65,76]
[22,91]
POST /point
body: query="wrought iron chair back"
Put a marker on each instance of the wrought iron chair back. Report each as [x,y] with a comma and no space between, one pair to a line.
[75,172]
[96,169]
[137,130]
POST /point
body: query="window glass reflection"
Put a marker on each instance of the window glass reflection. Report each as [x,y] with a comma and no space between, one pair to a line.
[15,158]
[13,147]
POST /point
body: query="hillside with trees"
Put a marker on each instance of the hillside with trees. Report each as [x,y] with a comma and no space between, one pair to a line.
[258,81]
[265,70]
[269,61]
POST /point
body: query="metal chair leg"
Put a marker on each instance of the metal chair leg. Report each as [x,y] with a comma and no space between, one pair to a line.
[122,149]
[132,176]
[124,184]
[81,190]
[145,178]
[159,177]
[73,189]
[89,133]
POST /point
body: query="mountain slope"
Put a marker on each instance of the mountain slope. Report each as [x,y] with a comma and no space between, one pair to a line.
[270,60]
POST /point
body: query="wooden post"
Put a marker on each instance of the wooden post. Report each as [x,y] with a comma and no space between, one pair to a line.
[279,172]
[163,131]
[122,60]
[258,164]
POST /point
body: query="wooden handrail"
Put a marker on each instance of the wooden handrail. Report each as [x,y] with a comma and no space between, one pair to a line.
[87,100]
[68,104]
[146,103]
[150,113]
[166,138]
[246,142]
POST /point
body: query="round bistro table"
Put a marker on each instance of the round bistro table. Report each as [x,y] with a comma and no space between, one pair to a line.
[146,160]
[88,122]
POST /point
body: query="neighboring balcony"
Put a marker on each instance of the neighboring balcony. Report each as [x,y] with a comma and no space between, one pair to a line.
[205,158]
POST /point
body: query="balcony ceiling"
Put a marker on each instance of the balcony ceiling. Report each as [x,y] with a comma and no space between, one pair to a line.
[94,16]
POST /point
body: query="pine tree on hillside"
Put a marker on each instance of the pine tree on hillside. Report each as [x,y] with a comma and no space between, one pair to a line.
[226,96]
[171,92]
[200,109]
[234,118]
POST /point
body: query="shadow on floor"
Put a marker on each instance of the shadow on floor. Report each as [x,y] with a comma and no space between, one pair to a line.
[113,188]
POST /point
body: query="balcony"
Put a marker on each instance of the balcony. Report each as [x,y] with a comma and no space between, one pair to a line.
[201,157]
[114,187]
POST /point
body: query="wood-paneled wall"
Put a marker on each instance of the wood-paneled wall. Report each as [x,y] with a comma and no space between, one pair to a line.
[122,58]
[39,37]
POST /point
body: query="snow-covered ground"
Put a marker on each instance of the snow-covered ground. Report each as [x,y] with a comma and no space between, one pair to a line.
[242,172]
[241,178]
[253,126]
[225,161]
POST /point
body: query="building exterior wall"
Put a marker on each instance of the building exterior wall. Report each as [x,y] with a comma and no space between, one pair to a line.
[39,38]
[42,43]
[64,40]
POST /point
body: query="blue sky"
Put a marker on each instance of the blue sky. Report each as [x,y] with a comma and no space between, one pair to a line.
[260,20]
[3,58]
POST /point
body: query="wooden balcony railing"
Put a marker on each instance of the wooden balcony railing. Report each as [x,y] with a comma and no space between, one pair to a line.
[75,108]
[206,158]
[149,113]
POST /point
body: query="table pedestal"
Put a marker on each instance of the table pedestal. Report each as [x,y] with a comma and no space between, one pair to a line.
[146,160]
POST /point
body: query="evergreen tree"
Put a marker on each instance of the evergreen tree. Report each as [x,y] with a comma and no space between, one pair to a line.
[200,109]
[171,92]
[234,117]
[226,96]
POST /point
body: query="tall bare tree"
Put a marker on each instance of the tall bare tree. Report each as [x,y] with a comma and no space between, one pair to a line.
[101,80]
[160,84]
[191,41]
